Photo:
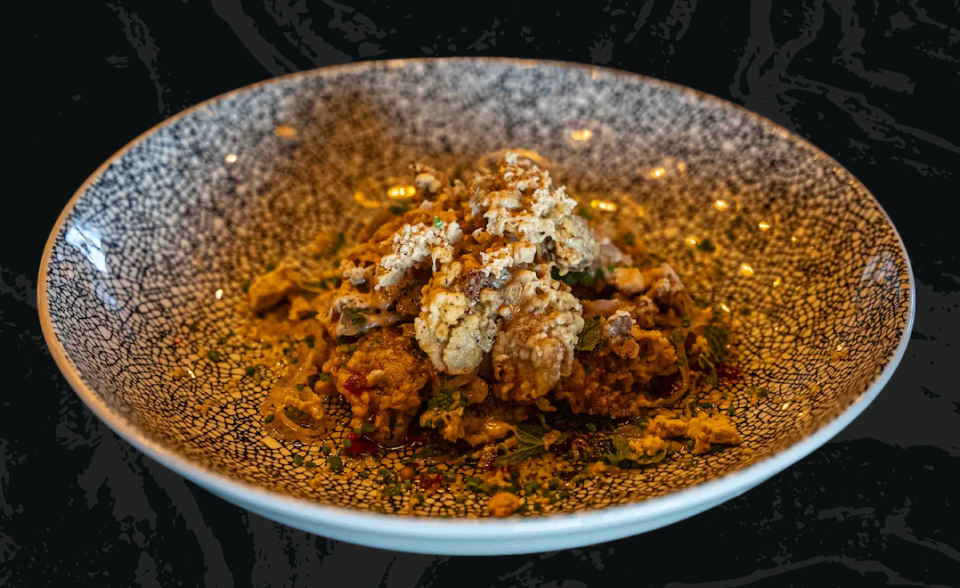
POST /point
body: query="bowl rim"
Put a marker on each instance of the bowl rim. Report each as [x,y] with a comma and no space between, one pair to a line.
[360,523]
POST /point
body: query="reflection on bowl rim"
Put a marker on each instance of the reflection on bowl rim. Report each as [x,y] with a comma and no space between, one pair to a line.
[612,522]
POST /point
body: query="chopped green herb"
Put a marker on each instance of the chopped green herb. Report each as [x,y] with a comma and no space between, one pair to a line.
[324,376]
[587,278]
[591,334]
[300,387]
[327,450]
[706,405]
[193,327]
[250,370]
[347,443]
[630,239]
[591,427]
[732,411]
[529,444]
[213,355]
[269,418]
[270,267]
[460,499]
[707,246]
[335,462]
[245,287]
[364,475]
[348,348]
[311,341]
[399,209]
[563,494]
[295,360]
[717,337]
[437,222]
[309,464]
[297,459]
[367,428]
[584,213]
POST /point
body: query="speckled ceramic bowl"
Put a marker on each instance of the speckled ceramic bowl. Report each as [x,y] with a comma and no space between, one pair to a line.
[145,265]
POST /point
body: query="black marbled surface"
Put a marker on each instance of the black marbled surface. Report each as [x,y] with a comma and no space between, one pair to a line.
[873,83]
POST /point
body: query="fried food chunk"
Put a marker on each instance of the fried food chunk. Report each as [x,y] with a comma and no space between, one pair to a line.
[381,376]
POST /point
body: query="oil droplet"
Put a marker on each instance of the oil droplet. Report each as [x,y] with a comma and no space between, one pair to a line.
[285,131]
[658,173]
[361,199]
[724,307]
[777,282]
[721,204]
[604,205]
[692,241]
[401,191]
[581,135]
[746,269]
[219,294]
[764,225]
[231,158]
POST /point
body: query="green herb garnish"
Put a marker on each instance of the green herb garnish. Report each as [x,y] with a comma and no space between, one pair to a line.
[399,209]
[213,355]
[335,462]
[269,418]
[591,334]
[630,239]
[324,376]
[250,370]
[437,222]
[297,459]
[706,246]
[529,444]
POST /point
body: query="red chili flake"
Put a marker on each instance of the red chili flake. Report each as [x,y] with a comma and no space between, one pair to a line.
[356,383]
[430,482]
[359,445]
[727,372]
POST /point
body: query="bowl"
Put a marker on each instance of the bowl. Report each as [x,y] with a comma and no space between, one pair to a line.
[146,265]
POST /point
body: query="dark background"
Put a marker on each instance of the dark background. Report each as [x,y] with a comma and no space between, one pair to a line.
[873,83]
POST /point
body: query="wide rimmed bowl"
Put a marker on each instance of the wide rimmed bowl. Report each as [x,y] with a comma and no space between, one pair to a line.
[144,268]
